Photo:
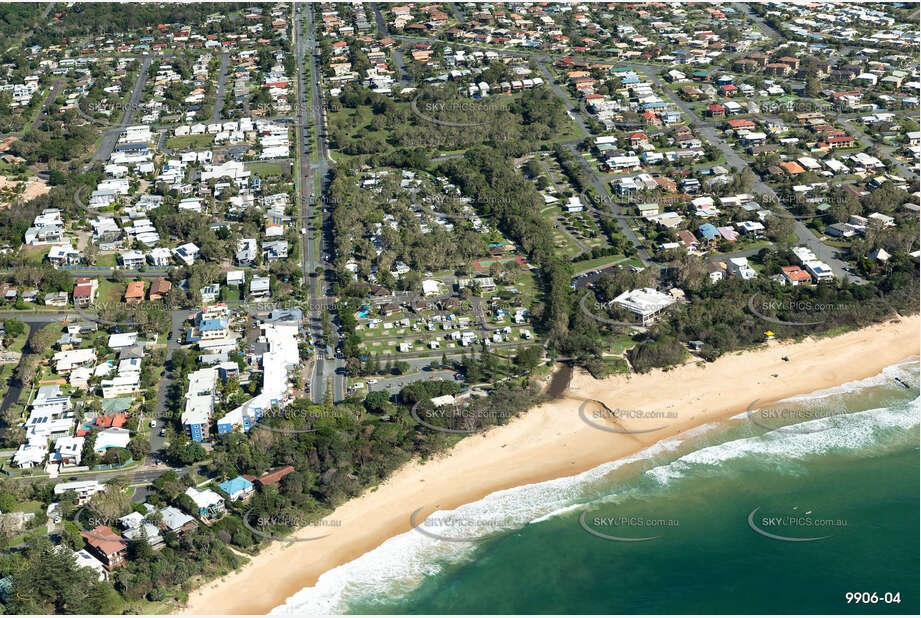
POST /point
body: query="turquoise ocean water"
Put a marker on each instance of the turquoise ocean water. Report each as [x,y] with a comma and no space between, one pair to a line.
[732,517]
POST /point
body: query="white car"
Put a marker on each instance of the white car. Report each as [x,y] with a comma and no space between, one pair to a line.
[153,423]
[372,381]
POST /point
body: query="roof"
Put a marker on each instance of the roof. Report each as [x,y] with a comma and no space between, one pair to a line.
[103,539]
[111,420]
[174,519]
[160,286]
[795,273]
[276,475]
[234,485]
[135,289]
[203,499]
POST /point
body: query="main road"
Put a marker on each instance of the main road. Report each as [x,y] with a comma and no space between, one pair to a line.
[325,369]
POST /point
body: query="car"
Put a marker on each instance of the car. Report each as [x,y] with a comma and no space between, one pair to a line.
[372,381]
[73,478]
[459,377]
[153,423]
[163,432]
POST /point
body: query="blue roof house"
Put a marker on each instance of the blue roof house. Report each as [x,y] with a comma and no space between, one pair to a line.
[709,232]
[237,488]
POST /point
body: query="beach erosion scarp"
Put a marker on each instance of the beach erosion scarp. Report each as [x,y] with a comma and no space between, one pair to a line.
[553,441]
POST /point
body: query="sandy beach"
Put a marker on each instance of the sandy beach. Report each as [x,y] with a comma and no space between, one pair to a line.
[552,441]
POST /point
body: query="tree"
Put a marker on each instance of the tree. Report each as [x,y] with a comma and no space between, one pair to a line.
[376,401]
[42,341]
[139,447]
[14,327]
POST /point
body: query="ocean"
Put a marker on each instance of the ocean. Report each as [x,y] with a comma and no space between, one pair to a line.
[809,506]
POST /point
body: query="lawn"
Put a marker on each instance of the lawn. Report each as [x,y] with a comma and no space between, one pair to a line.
[108,260]
[35,253]
[110,292]
[595,263]
[265,168]
[187,142]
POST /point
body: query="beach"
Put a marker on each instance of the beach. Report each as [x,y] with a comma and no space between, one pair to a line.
[553,441]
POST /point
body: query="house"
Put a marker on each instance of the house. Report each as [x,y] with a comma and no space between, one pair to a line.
[715,110]
[260,287]
[67,451]
[159,289]
[644,303]
[174,520]
[236,277]
[83,558]
[687,238]
[739,267]
[106,546]
[113,437]
[120,385]
[880,255]
[68,360]
[84,490]
[134,293]
[160,257]
[246,251]
[209,504]
[122,340]
[85,292]
[792,168]
[840,230]
[794,275]
[238,488]
[63,255]
[56,299]
[133,260]
[715,270]
[638,139]
[188,253]
[273,477]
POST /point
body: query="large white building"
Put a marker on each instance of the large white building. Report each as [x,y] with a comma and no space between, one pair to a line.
[644,303]
[282,355]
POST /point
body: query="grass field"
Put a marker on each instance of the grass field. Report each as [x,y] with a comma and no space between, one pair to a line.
[265,168]
[187,142]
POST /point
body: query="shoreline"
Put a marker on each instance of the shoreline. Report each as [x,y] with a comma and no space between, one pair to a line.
[550,441]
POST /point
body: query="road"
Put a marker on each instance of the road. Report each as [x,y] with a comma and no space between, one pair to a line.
[52,95]
[325,370]
[762,25]
[383,31]
[221,81]
[15,390]
[110,137]
[157,442]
